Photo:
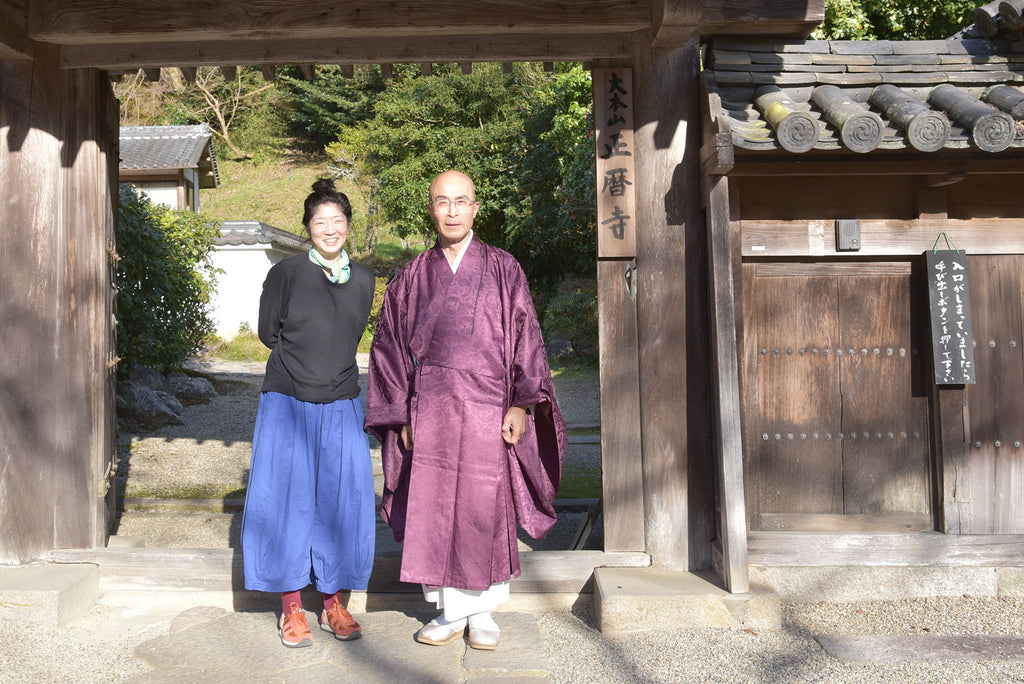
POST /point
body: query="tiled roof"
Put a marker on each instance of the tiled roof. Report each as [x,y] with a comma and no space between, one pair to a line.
[259,233]
[170,147]
[771,94]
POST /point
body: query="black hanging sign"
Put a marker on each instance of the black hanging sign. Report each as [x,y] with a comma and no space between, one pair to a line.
[950,304]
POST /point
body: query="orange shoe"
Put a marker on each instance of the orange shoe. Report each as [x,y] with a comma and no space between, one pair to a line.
[339,621]
[293,628]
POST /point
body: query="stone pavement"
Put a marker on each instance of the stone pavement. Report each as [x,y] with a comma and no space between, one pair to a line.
[210,644]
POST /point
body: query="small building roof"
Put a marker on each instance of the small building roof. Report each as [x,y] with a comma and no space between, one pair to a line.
[158,148]
[259,233]
[922,96]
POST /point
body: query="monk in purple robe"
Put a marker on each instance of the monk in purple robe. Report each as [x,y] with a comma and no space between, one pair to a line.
[461,398]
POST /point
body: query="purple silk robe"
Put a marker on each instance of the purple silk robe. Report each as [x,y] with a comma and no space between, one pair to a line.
[451,354]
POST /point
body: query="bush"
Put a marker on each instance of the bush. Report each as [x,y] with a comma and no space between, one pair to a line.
[164,279]
[245,346]
[570,320]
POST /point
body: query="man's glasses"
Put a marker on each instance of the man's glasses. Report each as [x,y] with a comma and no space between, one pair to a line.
[461,204]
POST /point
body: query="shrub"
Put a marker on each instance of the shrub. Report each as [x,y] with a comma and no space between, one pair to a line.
[164,278]
[245,346]
[570,320]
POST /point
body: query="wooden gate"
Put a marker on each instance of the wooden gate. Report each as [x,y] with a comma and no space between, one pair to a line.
[988,482]
[837,412]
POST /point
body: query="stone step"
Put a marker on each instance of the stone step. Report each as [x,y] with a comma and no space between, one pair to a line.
[52,594]
[213,576]
[630,600]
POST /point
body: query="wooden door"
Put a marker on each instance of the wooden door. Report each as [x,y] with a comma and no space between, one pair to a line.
[991,481]
[838,419]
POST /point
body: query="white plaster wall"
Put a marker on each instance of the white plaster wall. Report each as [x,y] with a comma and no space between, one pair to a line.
[237,296]
[160,192]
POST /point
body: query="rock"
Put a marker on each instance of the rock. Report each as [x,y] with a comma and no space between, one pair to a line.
[147,408]
[190,390]
[141,375]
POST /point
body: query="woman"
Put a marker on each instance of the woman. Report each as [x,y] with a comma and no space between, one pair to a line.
[309,508]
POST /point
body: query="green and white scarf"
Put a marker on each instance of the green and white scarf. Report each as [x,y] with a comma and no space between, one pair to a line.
[339,270]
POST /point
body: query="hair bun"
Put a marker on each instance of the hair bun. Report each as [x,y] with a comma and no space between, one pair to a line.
[324,185]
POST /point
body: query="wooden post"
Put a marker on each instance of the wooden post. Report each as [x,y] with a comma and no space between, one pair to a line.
[621,468]
[58,139]
[671,308]
[725,359]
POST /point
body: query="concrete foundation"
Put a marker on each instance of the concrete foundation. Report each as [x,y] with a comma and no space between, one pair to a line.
[48,594]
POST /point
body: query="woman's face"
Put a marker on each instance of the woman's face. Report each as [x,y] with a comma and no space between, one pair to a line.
[328,229]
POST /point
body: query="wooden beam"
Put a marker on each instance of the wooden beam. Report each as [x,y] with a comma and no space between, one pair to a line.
[308,71]
[672,22]
[82,22]
[427,68]
[14,42]
[152,74]
[924,549]
[725,361]
[269,72]
[347,70]
[229,72]
[499,48]
[880,237]
[386,71]
[188,73]
[467,67]
[1010,161]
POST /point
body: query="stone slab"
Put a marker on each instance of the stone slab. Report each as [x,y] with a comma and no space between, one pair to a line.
[520,652]
[208,644]
[1010,581]
[52,593]
[628,600]
[918,648]
[847,584]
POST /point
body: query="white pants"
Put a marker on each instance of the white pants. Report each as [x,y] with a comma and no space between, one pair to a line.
[458,603]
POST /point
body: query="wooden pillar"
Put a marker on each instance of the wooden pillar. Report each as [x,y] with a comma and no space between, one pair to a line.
[672,309]
[58,133]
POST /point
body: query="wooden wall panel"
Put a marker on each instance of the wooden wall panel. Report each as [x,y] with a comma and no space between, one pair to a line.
[885,448]
[827,197]
[57,412]
[30,256]
[995,404]
[621,467]
[986,196]
[800,460]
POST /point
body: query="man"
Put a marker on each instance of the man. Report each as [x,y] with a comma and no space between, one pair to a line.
[460,396]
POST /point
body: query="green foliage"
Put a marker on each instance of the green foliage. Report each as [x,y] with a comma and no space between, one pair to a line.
[164,279]
[554,233]
[423,125]
[571,317]
[895,19]
[318,109]
[379,285]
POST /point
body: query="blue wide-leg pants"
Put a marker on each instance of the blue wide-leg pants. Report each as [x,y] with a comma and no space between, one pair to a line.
[309,512]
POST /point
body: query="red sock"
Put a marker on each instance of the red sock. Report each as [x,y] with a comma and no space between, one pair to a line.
[288,598]
[329,599]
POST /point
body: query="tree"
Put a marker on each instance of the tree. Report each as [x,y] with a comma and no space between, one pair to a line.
[318,109]
[555,233]
[164,279]
[894,19]
[423,125]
